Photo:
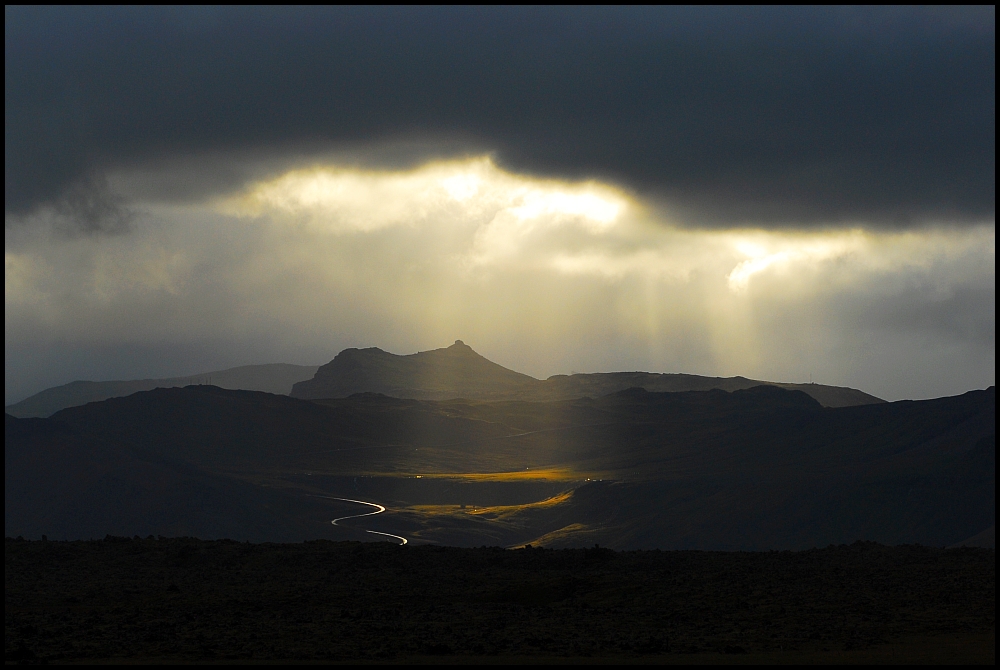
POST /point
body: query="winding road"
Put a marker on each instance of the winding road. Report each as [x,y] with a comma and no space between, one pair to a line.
[379,510]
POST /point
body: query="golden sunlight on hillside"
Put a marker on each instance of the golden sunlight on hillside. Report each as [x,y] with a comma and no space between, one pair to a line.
[494,512]
[556,474]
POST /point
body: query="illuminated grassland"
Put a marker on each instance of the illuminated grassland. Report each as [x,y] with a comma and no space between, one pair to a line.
[551,474]
[517,503]
[507,525]
[496,512]
[574,532]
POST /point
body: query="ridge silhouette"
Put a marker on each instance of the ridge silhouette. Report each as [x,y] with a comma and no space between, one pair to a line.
[455,371]
[459,372]
[270,378]
[452,372]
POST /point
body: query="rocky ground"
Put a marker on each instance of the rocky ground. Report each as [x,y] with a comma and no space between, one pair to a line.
[186,600]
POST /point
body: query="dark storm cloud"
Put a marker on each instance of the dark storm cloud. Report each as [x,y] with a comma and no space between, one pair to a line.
[776,116]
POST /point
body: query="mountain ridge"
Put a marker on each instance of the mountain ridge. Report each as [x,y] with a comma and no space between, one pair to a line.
[456,371]
[459,372]
[438,374]
[269,377]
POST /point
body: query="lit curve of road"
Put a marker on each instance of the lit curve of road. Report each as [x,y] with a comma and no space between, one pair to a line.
[379,510]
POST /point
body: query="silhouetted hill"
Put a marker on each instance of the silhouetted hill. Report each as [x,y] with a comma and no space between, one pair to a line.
[456,371]
[756,468]
[561,387]
[175,461]
[270,378]
[65,483]
[459,372]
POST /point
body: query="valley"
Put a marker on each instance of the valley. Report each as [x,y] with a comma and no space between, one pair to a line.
[762,468]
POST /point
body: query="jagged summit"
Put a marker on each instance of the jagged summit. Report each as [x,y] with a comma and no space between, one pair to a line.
[455,371]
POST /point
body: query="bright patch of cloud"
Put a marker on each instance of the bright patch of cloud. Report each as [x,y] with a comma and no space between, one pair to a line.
[545,276]
[351,200]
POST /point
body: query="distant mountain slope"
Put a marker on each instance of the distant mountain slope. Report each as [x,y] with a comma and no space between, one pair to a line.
[594,385]
[460,372]
[270,378]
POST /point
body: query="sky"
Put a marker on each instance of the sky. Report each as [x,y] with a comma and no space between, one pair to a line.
[784,194]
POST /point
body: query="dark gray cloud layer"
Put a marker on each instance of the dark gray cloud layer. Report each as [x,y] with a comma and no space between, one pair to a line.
[776,116]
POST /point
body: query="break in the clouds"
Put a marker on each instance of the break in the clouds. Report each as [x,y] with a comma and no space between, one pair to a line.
[776,117]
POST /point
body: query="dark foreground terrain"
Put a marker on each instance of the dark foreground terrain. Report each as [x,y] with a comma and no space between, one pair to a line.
[183,600]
